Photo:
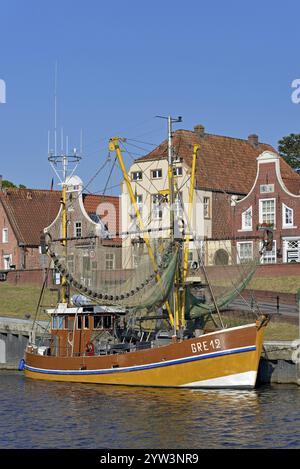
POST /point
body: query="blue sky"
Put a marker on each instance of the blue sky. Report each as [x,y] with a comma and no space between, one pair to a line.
[227,65]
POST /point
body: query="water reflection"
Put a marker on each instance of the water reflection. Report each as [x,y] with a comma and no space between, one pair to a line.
[68,415]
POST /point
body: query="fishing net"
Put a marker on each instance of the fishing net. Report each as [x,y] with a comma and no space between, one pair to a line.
[135,278]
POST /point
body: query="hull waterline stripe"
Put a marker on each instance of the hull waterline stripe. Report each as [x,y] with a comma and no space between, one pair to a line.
[141,367]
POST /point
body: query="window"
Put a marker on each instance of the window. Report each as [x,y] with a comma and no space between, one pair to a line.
[107,322]
[206,207]
[269,257]
[139,202]
[110,261]
[156,173]
[98,322]
[287,216]
[178,205]
[266,188]
[157,209]
[267,211]
[7,261]
[247,219]
[86,321]
[78,229]
[177,171]
[136,176]
[54,322]
[244,251]
[79,322]
[5,235]
[58,322]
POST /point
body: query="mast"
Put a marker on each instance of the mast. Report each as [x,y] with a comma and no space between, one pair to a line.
[61,165]
[188,234]
[114,146]
[175,296]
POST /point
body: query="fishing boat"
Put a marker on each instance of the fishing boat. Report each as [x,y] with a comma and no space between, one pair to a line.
[149,324]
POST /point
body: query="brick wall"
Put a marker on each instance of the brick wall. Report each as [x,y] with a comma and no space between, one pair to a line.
[35,276]
[268,176]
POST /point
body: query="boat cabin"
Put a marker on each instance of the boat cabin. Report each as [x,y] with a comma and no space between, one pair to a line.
[81,330]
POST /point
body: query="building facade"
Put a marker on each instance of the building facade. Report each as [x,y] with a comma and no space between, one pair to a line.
[225,172]
[269,203]
[24,214]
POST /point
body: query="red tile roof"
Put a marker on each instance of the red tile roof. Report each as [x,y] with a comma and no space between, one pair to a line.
[224,163]
[31,210]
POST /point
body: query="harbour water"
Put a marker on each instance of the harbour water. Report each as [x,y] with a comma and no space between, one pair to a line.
[36,414]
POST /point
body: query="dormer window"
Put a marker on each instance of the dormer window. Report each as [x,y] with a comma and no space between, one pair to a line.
[287,217]
[247,219]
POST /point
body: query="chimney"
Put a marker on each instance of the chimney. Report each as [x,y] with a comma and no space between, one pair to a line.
[253,140]
[199,130]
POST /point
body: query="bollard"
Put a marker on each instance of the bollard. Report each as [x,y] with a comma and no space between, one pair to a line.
[277,304]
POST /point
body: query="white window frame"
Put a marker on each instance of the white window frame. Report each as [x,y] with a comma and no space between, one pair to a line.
[7,258]
[137,175]
[139,202]
[284,224]
[154,173]
[286,240]
[266,188]
[269,255]
[110,261]
[5,235]
[157,207]
[77,227]
[206,215]
[246,227]
[178,210]
[261,201]
[177,171]
[238,245]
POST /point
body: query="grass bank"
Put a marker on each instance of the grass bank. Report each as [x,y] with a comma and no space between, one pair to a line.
[19,300]
[289,284]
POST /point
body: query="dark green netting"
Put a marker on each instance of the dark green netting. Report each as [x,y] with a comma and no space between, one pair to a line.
[195,308]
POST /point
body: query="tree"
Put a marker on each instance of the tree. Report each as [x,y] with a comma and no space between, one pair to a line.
[6,183]
[289,149]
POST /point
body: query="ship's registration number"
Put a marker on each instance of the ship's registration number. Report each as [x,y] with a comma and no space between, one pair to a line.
[206,346]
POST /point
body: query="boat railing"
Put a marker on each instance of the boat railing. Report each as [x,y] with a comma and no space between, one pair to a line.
[98,350]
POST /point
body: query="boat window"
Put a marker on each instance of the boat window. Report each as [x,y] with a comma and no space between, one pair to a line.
[107,322]
[86,322]
[58,322]
[71,324]
[79,322]
[66,322]
[98,323]
[61,321]
[54,322]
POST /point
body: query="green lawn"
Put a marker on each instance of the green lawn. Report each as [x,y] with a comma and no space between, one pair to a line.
[277,284]
[18,300]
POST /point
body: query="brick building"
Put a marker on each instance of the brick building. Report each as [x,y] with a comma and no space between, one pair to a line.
[24,214]
[226,170]
[274,199]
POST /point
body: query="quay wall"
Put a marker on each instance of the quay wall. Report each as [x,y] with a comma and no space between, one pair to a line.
[14,336]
